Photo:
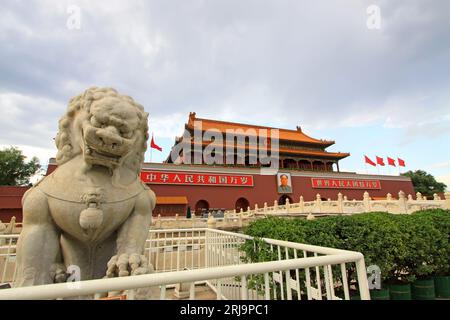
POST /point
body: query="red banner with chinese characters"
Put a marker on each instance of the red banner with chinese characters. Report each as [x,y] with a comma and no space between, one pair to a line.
[197,179]
[345,184]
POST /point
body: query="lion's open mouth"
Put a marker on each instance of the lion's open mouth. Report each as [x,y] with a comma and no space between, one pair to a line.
[102,154]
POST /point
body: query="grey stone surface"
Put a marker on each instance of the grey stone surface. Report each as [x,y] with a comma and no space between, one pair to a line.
[93,211]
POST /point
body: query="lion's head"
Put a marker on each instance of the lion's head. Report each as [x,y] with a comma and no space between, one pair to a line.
[107,128]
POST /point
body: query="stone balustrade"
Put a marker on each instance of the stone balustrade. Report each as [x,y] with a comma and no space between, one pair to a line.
[402,205]
[232,220]
[342,205]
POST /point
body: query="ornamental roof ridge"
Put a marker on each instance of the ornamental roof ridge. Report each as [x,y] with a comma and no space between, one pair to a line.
[290,134]
[286,150]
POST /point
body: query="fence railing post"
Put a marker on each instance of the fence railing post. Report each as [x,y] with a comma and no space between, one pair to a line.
[302,205]
[362,280]
[193,220]
[340,205]
[177,221]
[447,200]
[158,222]
[211,222]
[402,202]
[2,231]
[319,203]
[240,219]
[366,202]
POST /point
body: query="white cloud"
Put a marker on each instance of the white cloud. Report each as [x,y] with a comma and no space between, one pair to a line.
[441,165]
[28,120]
[445,179]
[168,126]
[280,63]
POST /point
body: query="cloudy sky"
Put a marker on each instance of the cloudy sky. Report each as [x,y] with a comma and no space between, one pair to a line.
[281,63]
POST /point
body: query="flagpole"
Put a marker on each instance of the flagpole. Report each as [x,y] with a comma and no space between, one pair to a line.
[389,166]
[151,150]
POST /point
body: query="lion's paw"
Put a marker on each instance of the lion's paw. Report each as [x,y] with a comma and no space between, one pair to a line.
[127,264]
[58,273]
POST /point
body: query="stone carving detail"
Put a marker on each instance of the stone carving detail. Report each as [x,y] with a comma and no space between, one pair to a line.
[93,211]
[92,216]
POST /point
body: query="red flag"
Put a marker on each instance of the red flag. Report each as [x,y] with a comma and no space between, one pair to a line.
[391,162]
[401,163]
[154,145]
[367,160]
[380,161]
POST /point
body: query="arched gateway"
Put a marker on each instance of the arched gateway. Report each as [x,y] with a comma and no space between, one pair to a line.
[201,206]
[241,203]
[282,200]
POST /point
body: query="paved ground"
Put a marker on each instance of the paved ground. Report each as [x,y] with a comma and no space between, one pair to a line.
[202,292]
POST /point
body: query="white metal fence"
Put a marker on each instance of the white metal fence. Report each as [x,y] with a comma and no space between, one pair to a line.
[8,257]
[290,271]
[176,249]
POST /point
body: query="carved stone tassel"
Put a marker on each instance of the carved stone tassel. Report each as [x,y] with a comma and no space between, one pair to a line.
[92,217]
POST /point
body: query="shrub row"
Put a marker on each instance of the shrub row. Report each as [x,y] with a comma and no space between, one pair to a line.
[405,247]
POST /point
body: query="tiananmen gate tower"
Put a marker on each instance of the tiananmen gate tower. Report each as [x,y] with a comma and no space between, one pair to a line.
[304,168]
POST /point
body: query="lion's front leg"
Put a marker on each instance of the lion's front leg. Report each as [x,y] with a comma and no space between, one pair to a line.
[131,239]
[38,249]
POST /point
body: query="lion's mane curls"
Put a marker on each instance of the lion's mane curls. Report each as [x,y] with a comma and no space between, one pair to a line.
[80,106]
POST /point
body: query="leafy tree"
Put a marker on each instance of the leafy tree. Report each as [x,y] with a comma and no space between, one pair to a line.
[14,171]
[425,183]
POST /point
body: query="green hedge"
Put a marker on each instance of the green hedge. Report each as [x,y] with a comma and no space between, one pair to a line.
[405,247]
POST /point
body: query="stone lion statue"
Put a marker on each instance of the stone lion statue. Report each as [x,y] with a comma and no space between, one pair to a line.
[93,212]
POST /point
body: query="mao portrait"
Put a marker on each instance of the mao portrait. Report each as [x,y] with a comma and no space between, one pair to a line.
[284,183]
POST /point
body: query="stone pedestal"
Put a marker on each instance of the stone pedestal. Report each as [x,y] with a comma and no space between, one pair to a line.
[182,290]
